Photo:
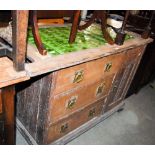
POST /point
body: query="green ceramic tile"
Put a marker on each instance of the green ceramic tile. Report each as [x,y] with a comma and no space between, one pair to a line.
[55,39]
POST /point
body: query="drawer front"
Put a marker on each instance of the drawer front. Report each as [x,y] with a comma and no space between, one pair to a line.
[0,102]
[66,103]
[64,126]
[86,73]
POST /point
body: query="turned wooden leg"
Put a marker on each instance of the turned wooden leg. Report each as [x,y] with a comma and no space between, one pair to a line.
[19,38]
[106,35]
[8,114]
[120,37]
[100,15]
[74,27]
[36,35]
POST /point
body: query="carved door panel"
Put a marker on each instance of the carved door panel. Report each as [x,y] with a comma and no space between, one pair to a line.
[115,86]
[123,79]
[119,86]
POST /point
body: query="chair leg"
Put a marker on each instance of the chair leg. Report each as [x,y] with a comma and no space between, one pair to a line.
[19,30]
[74,27]
[106,35]
[35,31]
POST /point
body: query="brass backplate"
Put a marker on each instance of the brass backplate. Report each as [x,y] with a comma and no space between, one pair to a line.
[78,77]
[108,67]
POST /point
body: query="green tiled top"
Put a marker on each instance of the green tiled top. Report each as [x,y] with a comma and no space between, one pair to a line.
[55,39]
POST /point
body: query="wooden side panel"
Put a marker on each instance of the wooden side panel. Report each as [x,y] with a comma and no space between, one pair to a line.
[69,102]
[89,72]
[66,125]
[32,105]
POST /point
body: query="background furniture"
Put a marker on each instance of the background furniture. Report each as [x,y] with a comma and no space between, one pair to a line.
[9,76]
[137,22]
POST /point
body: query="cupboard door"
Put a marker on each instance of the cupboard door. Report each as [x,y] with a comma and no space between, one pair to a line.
[74,121]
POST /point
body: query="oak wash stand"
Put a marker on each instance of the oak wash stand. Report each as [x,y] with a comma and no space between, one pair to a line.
[11,73]
[70,93]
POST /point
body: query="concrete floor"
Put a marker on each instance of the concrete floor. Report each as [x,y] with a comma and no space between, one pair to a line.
[134,125]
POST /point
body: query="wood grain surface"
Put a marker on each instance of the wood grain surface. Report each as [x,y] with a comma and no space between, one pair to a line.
[8,75]
[52,63]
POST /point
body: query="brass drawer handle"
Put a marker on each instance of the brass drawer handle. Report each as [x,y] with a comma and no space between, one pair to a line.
[78,77]
[72,102]
[108,67]
[64,128]
[100,89]
[92,112]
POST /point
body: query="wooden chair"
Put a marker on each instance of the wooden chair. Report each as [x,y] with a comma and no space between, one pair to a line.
[98,14]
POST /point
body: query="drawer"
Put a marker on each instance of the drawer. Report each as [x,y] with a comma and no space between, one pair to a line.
[66,103]
[89,72]
[66,125]
[0,102]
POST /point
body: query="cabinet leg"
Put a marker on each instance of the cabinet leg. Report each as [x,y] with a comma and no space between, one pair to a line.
[8,113]
[121,109]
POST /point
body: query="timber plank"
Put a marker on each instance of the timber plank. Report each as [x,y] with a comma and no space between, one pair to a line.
[8,75]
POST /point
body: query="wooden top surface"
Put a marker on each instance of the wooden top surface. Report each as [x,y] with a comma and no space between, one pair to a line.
[45,64]
[8,75]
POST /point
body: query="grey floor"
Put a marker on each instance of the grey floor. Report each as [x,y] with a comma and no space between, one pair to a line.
[134,125]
